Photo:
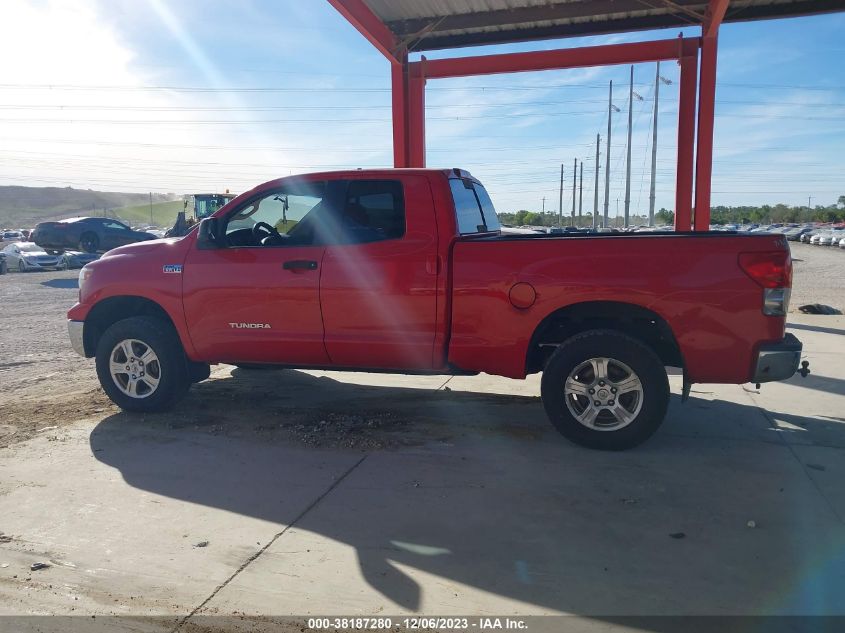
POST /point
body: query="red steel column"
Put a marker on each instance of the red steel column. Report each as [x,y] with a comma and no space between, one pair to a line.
[704,150]
[707,112]
[686,141]
[399,92]
[416,114]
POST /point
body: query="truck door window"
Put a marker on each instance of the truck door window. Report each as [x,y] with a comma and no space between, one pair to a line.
[374,210]
[289,216]
[472,207]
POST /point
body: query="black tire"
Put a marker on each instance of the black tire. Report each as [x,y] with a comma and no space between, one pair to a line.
[159,336]
[3,267]
[620,348]
[89,242]
[21,266]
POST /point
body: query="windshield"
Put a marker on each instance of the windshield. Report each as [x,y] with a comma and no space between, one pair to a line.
[30,248]
[207,205]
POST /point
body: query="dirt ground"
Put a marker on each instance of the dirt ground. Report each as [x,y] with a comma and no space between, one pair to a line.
[819,276]
[44,384]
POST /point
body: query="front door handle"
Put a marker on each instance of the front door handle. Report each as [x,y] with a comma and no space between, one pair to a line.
[300,264]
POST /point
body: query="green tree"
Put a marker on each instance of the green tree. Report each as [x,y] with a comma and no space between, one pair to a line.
[664,216]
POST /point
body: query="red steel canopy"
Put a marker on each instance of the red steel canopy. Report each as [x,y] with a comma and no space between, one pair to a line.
[397,27]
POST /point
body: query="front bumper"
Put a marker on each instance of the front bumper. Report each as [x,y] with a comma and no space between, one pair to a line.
[75,331]
[778,361]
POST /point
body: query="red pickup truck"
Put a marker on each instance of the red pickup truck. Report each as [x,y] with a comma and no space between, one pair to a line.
[408,270]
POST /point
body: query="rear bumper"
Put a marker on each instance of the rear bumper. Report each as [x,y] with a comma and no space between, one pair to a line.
[75,332]
[778,361]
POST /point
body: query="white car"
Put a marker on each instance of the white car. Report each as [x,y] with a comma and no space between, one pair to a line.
[12,236]
[25,256]
[815,239]
[831,238]
[842,243]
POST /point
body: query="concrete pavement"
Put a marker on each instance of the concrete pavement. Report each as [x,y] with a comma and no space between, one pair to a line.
[488,511]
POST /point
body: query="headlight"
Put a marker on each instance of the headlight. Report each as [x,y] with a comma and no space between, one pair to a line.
[84,275]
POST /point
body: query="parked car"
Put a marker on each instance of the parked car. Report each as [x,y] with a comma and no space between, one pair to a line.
[12,236]
[90,235]
[842,243]
[77,259]
[794,234]
[831,238]
[26,256]
[407,270]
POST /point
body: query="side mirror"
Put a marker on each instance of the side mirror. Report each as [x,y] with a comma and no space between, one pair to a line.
[208,236]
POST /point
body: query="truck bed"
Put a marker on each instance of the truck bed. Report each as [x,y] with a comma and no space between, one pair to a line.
[688,278]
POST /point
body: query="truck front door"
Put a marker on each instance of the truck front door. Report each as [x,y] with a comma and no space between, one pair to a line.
[256,298]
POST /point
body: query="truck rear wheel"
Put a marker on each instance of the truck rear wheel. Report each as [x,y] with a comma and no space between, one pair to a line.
[606,390]
[141,365]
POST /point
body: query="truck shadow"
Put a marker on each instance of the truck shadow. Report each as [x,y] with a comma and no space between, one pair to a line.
[490,497]
[64,284]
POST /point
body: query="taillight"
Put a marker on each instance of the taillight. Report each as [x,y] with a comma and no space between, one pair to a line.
[772,271]
[769,270]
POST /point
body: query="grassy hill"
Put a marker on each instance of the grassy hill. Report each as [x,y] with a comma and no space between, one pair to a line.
[164,213]
[26,206]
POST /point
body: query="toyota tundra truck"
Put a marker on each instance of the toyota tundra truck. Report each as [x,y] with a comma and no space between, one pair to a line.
[408,270]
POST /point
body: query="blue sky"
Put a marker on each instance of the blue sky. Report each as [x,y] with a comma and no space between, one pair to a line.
[140,95]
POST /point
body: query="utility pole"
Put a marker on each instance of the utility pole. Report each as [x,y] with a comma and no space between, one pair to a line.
[809,200]
[560,203]
[628,159]
[581,195]
[151,207]
[574,186]
[607,156]
[596,198]
[544,205]
[651,196]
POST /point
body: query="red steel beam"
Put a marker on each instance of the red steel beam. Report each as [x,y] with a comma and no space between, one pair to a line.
[584,57]
[686,142]
[713,17]
[359,15]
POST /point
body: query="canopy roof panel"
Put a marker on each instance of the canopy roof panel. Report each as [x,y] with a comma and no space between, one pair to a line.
[437,24]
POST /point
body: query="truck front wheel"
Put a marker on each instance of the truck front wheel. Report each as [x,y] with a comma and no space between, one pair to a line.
[603,389]
[141,365]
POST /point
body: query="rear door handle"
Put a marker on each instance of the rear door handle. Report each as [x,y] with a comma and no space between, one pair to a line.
[300,264]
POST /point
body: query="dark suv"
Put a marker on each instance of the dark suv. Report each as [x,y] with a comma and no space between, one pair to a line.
[91,235]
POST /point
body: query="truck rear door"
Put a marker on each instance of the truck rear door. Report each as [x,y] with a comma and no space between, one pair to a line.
[378,287]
